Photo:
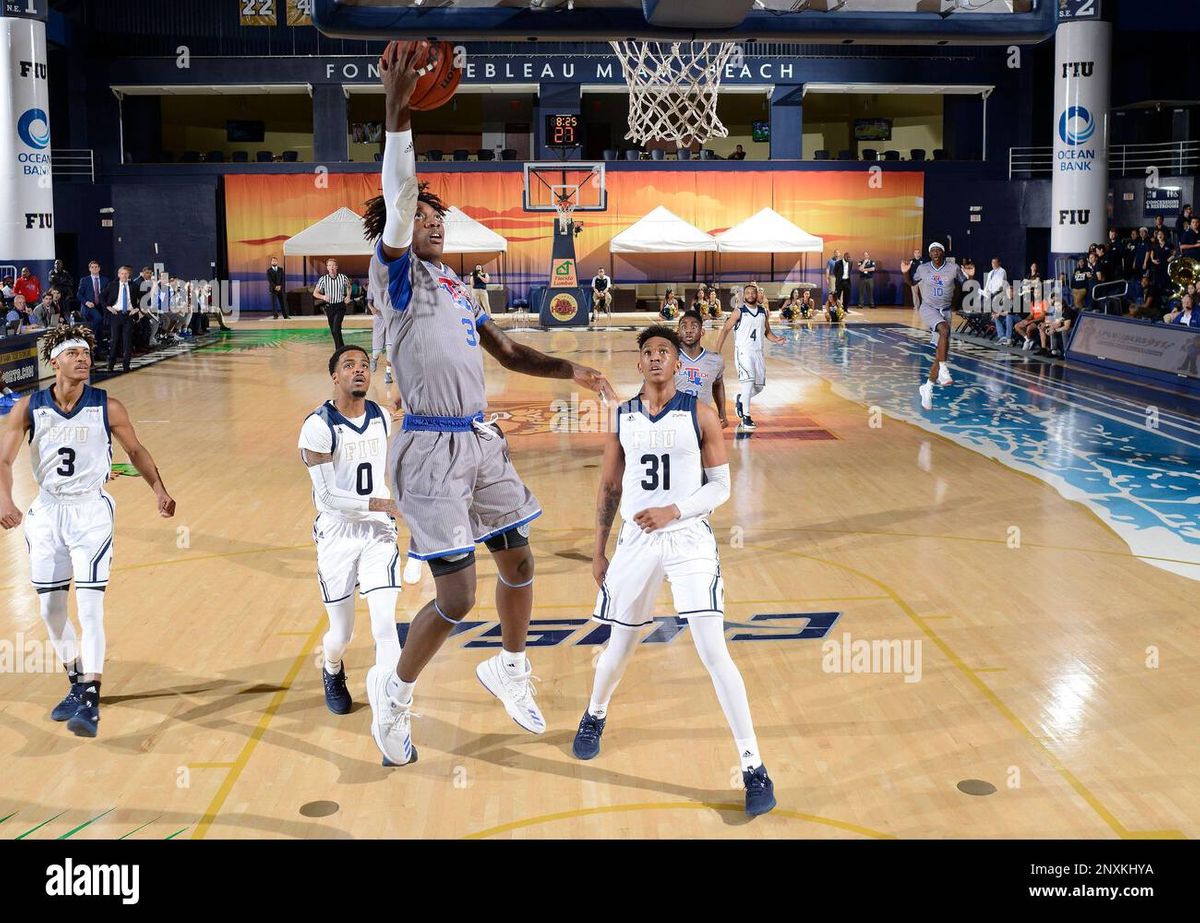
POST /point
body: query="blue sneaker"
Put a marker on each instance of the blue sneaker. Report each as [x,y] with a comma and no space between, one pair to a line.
[337,696]
[760,791]
[587,738]
[67,707]
[85,721]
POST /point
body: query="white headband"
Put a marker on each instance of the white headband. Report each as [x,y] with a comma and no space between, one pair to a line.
[936,244]
[69,344]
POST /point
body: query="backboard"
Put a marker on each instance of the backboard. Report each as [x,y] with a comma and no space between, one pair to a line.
[842,21]
[574,186]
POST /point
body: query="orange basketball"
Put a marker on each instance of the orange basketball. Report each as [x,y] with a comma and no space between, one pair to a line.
[439,77]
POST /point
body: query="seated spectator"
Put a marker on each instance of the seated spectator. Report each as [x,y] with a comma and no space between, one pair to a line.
[44,312]
[28,285]
[738,154]
[790,310]
[18,317]
[808,305]
[699,299]
[712,304]
[1053,329]
[1184,314]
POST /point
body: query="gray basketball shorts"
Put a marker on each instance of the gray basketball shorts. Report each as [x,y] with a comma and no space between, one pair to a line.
[931,316]
[456,489]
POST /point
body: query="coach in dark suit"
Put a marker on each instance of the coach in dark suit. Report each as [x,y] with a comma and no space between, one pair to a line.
[275,285]
[91,301]
[121,301]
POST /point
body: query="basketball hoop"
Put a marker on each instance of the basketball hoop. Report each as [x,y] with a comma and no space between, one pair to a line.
[673,89]
[565,206]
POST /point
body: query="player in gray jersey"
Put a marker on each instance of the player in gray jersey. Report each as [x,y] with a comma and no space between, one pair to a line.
[452,477]
[937,281]
[701,372]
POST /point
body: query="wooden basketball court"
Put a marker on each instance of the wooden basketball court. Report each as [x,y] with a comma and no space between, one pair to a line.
[1044,682]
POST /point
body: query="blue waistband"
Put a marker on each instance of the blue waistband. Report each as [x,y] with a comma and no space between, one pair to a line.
[415,422]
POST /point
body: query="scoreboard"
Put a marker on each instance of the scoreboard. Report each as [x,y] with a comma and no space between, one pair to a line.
[562,131]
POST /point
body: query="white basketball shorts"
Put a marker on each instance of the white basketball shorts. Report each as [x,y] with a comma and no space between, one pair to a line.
[70,537]
[686,556]
[750,366]
[351,553]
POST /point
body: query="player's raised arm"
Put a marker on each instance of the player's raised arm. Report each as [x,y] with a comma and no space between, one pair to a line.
[517,357]
[728,328]
[11,437]
[608,501]
[139,455]
[398,73]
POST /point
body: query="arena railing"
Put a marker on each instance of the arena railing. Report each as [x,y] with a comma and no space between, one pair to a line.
[1123,159]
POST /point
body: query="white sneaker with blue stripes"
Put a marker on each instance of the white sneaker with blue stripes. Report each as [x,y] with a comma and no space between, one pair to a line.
[515,692]
[391,724]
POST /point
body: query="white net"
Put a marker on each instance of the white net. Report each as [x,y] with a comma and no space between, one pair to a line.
[673,88]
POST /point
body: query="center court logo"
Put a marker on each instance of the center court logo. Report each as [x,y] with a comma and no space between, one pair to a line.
[36,138]
[1076,126]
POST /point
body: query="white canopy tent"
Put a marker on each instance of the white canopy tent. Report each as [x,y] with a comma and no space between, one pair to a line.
[662,231]
[767,231]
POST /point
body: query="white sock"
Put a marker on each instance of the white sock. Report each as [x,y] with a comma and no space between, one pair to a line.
[341,630]
[746,392]
[91,629]
[399,691]
[58,625]
[382,605]
[709,635]
[514,664]
[748,753]
[622,642]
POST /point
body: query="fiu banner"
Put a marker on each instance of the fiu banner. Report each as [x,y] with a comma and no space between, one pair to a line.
[27,219]
[850,213]
[1079,189]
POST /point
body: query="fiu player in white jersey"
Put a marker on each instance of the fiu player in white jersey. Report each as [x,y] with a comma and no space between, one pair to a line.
[701,372]
[751,325]
[454,480]
[69,527]
[666,468]
[344,444]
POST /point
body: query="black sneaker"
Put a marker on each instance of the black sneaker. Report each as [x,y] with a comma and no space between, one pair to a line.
[587,738]
[68,706]
[337,696]
[760,791]
[748,423]
[737,406]
[86,720]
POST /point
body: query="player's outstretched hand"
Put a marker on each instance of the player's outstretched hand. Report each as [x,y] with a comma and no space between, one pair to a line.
[905,265]
[599,568]
[593,380]
[166,506]
[10,517]
[776,338]
[656,517]
[398,70]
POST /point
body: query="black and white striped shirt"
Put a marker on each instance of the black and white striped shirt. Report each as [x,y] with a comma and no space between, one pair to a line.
[334,288]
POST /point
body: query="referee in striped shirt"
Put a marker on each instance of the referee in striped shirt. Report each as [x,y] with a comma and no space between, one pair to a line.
[333,288]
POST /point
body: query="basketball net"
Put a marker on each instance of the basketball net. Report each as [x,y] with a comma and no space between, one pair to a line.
[673,89]
[566,211]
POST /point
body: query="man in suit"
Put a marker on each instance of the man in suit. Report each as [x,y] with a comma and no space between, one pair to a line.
[275,285]
[121,301]
[91,301]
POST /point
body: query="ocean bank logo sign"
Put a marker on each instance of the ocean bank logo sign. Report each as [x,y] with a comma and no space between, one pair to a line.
[1076,126]
[35,137]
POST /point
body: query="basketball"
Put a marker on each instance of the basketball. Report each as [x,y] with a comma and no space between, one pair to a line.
[439,78]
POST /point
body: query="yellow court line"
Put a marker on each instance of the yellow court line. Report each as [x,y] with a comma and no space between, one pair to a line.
[256,735]
[973,675]
[672,806]
[990,669]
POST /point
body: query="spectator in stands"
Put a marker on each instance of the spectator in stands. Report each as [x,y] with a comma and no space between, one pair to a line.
[60,279]
[1053,330]
[479,284]
[1110,260]
[275,283]
[866,281]
[738,153]
[90,294]
[120,301]
[161,305]
[18,317]
[145,318]
[6,291]
[996,288]
[1189,240]
[832,269]
[1161,225]
[712,304]
[43,314]
[28,285]
[65,310]
[181,308]
[843,281]
[1081,284]
[917,259]
[1141,250]
[1184,221]
[1157,259]
[1184,314]
[333,289]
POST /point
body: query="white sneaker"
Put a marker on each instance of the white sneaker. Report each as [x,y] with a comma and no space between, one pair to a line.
[944,377]
[926,391]
[516,693]
[391,724]
[412,571]
[1028,344]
